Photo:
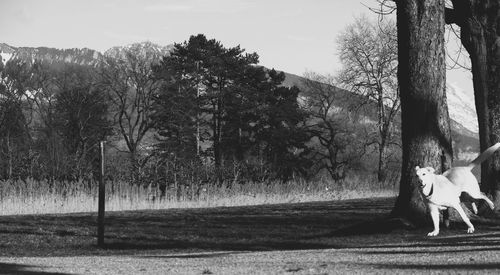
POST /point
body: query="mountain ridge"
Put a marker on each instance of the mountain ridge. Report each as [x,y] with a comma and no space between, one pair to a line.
[461,105]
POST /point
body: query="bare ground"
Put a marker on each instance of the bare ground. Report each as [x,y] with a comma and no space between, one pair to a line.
[309,238]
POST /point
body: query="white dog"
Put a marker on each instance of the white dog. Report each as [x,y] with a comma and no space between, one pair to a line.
[443,191]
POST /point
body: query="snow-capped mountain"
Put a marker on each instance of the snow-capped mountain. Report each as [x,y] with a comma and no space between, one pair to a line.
[143,49]
[462,112]
[83,56]
[6,52]
[461,107]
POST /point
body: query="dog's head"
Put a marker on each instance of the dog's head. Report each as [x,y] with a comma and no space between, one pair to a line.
[425,175]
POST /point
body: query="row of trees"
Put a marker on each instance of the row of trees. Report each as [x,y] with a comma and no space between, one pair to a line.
[200,105]
[45,107]
[204,100]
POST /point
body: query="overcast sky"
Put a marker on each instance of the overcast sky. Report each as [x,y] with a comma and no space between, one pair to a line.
[291,35]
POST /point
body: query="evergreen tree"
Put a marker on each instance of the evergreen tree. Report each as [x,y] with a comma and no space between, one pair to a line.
[217,96]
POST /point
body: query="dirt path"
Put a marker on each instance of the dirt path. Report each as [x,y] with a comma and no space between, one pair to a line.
[276,239]
[439,260]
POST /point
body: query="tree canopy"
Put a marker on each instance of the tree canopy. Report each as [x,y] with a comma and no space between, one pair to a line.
[229,105]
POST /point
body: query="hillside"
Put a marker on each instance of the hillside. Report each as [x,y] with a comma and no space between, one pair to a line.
[461,105]
[462,113]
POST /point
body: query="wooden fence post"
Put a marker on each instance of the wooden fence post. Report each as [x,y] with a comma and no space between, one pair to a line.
[101,203]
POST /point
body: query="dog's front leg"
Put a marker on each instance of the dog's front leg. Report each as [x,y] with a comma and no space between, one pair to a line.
[435,219]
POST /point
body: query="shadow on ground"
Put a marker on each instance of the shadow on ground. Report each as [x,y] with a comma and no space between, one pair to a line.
[7,268]
[317,225]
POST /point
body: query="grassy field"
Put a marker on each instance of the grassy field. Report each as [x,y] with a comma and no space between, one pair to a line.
[296,228]
[41,197]
[264,227]
[350,236]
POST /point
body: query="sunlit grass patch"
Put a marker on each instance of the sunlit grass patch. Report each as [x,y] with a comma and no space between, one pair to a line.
[36,197]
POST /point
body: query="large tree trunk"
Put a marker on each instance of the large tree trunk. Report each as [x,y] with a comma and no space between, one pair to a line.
[479,22]
[425,133]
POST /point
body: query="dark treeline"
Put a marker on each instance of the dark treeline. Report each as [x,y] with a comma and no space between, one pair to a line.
[199,113]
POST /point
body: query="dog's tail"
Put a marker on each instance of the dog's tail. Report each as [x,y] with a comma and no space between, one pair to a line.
[484,156]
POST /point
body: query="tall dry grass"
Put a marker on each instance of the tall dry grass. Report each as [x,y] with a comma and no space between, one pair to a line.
[36,197]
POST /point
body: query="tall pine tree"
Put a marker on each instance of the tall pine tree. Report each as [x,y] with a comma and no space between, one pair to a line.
[219,97]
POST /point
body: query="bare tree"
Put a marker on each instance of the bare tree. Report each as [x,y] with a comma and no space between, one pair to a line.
[82,117]
[43,99]
[15,116]
[331,125]
[426,133]
[132,87]
[368,52]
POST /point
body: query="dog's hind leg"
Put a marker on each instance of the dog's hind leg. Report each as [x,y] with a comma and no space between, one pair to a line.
[480,196]
[490,203]
[446,217]
[464,217]
[474,207]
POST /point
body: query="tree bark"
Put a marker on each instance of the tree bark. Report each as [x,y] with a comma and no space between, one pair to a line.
[382,163]
[479,22]
[426,137]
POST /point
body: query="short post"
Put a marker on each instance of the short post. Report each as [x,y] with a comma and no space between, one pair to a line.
[101,205]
